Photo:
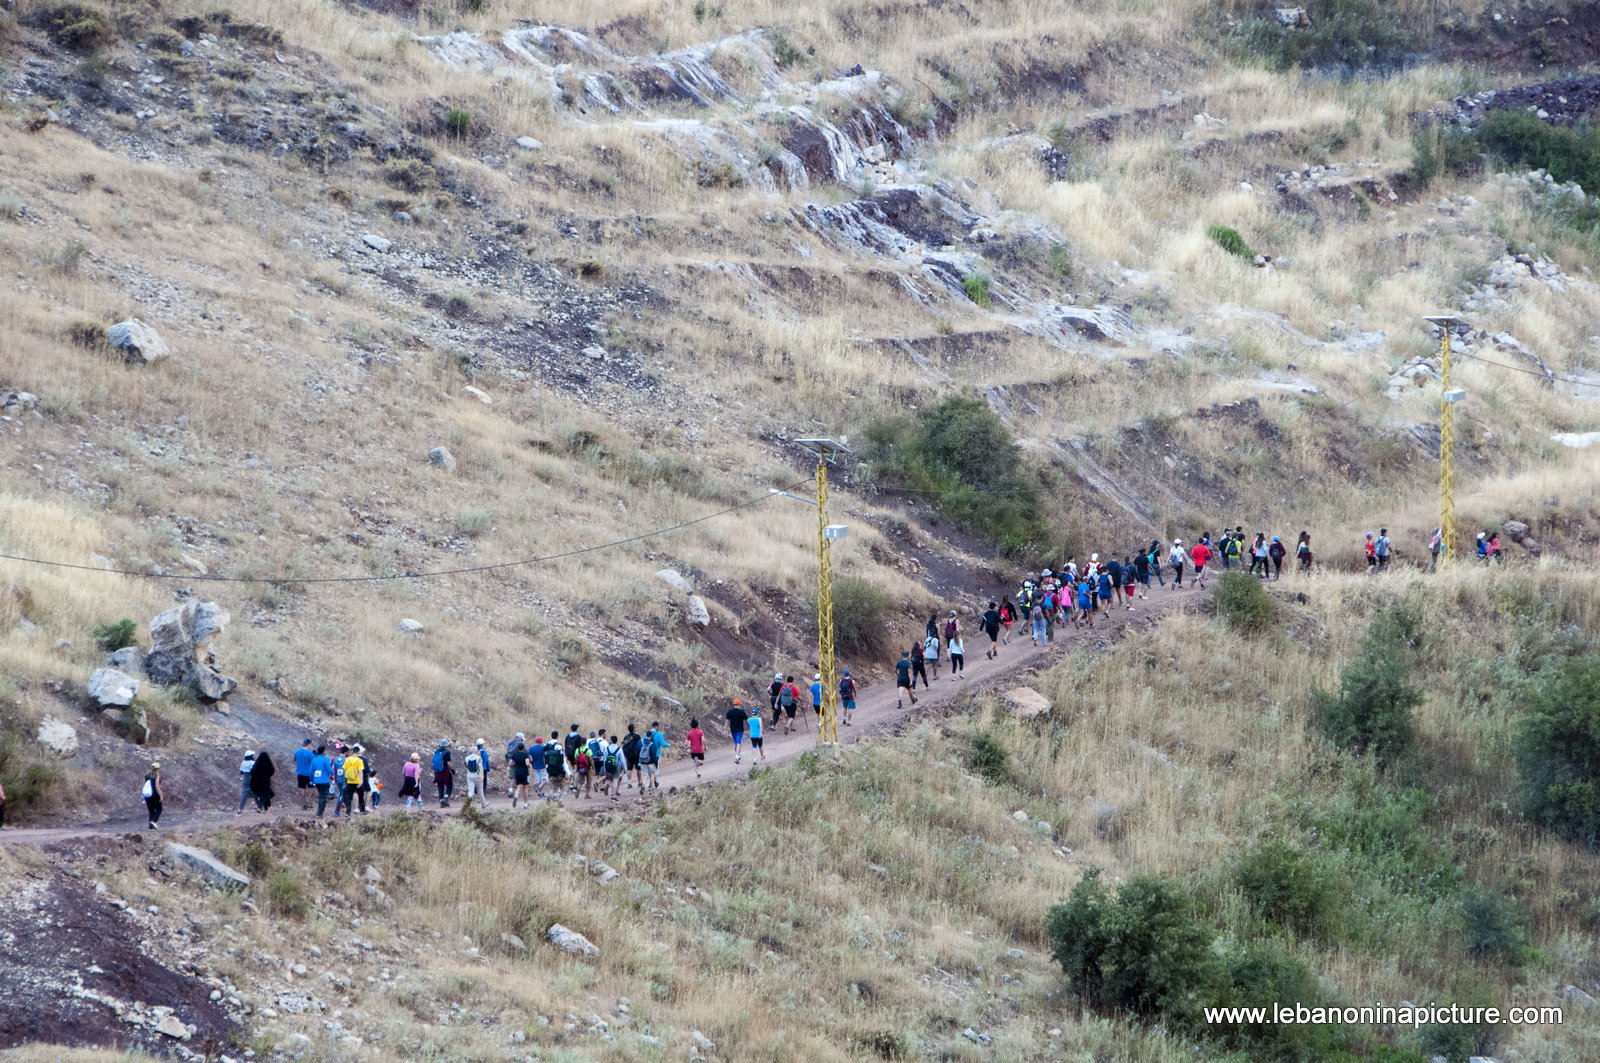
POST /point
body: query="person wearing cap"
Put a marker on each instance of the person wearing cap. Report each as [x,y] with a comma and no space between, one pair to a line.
[774,691]
[477,767]
[1275,552]
[753,725]
[738,723]
[816,697]
[246,766]
[321,777]
[952,626]
[847,698]
[1371,550]
[151,792]
[633,774]
[1177,559]
[302,772]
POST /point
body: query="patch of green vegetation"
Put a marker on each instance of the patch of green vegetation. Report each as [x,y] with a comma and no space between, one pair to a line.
[1521,139]
[1494,927]
[572,654]
[1244,604]
[861,613]
[1371,713]
[1291,887]
[1558,750]
[1448,150]
[976,285]
[784,50]
[459,121]
[988,759]
[113,637]
[76,26]
[1340,33]
[1230,241]
[960,454]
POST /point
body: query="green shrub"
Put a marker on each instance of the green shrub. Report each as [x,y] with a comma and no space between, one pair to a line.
[1262,975]
[1446,150]
[959,453]
[784,50]
[572,654]
[1230,241]
[1379,833]
[1372,711]
[1558,751]
[1243,603]
[988,759]
[1567,154]
[861,614]
[28,777]
[976,285]
[1349,33]
[1290,887]
[80,27]
[1494,927]
[409,175]
[285,894]
[459,121]
[885,1044]
[1143,951]
[113,637]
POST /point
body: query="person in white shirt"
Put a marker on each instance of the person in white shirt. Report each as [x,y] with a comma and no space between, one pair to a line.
[1177,559]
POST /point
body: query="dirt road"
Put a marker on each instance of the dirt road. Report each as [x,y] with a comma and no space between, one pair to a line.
[877,714]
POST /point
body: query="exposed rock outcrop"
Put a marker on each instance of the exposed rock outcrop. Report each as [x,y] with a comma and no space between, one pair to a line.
[180,650]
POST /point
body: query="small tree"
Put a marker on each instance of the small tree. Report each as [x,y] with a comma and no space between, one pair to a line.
[1290,887]
[1244,604]
[861,612]
[1372,711]
[1558,751]
[113,637]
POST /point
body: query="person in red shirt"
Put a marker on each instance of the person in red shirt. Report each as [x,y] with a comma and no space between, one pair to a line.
[697,746]
[1200,556]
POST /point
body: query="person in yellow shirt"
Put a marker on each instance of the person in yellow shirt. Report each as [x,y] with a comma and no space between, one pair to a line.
[355,774]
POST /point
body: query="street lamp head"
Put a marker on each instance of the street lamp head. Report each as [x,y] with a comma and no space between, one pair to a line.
[1449,322]
[1454,395]
[825,449]
[835,532]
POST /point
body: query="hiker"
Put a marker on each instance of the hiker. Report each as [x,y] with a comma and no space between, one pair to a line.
[958,658]
[816,699]
[1259,554]
[919,667]
[555,764]
[1141,573]
[1008,616]
[990,625]
[1302,551]
[511,746]
[697,746]
[650,754]
[1037,631]
[789,702]
[1085,602]
[569,747]
[1231,546]
[1105,588]
[1371,550]
[611,763]
[1131,583]
[1381,547]
[1494,547]
[519,776]
[2,806]
[476,764]
[374,787]
[1275,552]
[1199,556]
[444,776]
[905,682]
[630,755]
[1114,570]
[774,691]
[336,778]
[737,718]
[1177,559]
[1483,547]
[930,654]
[1152,555]
[411,781]
[753,725]
[847,699]
[1435,545]
[583,769]
[354,776]
[261,774]
[932,630]
[151,792]
[246,766]
[321,777]
[302,772]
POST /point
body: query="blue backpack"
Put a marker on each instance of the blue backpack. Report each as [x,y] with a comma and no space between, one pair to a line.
[438,759]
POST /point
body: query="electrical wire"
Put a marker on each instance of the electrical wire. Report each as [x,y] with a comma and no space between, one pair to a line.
[576,551]
[1550,377]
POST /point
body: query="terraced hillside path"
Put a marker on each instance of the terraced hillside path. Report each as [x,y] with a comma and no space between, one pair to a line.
[876,714]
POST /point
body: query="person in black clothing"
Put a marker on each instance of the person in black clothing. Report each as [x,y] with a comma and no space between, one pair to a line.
[991,627]
[1276,552]
[1114,570]
[555,764]
[1152,558]
[933,625]
[736,728]
[919,666]
[570,746]
[630,757]
[774,690]
[904,682]
[519,774]
[261,781]
[152,794]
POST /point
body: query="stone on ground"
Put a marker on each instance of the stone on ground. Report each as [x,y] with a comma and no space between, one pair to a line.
[180,654]
[207,866]
[58,736]
[171,1026]
[673,579]
[1027,702]
[442,457]
[137,342]
[112,689]
[571,942]
[410,627]
[695,609]
[477,393]
[129,661]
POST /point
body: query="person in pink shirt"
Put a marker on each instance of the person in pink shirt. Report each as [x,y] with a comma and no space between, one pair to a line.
[697,746]
[411,781]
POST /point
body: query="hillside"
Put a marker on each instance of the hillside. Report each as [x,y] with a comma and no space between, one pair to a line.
[472,289]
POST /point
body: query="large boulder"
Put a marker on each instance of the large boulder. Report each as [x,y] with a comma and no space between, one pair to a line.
[58,736]
[129,660]
[131,723]
[180,653]
[205,864]
[695,609]
[441,457]
[672,578]
[1027,702]
[112,689]
[137,342]
[571,942]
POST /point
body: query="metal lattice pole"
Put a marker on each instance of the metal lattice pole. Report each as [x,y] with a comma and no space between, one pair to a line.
[827,664]
[1447,454]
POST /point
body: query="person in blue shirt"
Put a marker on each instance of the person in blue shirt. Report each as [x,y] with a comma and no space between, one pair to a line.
[302,771]
[816,698]
[321,777]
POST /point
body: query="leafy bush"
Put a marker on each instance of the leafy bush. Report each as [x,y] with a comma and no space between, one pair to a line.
[988,759]
[861,612]
[1379,833]
[286,895]
[1243,603]
[962,455]
[80,27]
[976,285]
[113,637]
[1494,927]
[458,120]
[1558,751]
[1261,976]
[1443,150]
[1230,241]
[1522,140]
[1143,951]
[1372,711]
[1290,887]
[572,654]
[885,1044]
[1350,33]
[28,777]
[783,49]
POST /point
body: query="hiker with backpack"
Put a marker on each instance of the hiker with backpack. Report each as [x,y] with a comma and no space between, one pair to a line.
[753,725]
[555,764]
[354,775]
[631,743]
[1177,559]
[246,766]
[650,754]
[1037,629]
[1008,616]
[611,763]
[321,777]
[444,776]
[1381,547]
[737,725]
[476,763]
[990,625]
[697,746]
[520,772]
[789,703]
[583,768]
[774,689]
[569,746]
[151,792]
[1302,552]
[905,683]
[1275,553]
[930,654]
[1152,555]
[511,745]
[919,666]
[847,699]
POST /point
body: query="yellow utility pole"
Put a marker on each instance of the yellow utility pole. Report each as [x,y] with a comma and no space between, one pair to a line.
[827,534]
[1448,397]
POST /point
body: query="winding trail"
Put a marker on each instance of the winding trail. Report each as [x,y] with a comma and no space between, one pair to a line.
[877,714]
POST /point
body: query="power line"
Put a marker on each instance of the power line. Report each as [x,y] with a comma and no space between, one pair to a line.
[193,577]
[1546,375]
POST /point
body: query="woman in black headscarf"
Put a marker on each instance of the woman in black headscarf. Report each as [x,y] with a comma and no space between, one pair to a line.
[261,781]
